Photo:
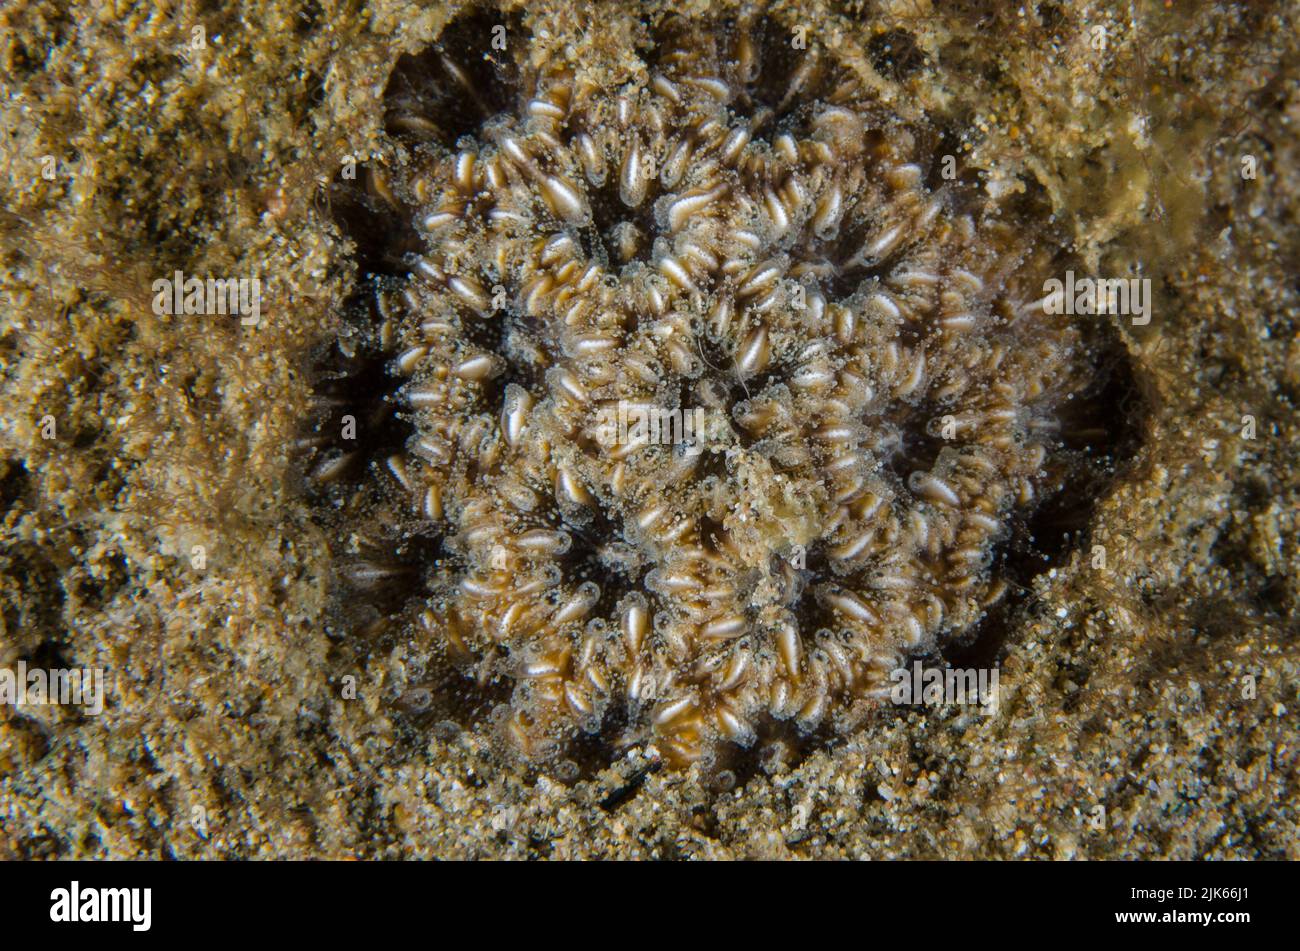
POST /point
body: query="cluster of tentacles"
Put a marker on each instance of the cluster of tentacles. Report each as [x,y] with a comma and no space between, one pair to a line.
[735,232]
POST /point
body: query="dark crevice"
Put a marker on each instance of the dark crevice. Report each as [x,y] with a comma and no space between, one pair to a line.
[779,60]
[355,426]
[449,89]
[1111,413]
[920,443]
[982,645]
[447,702]
[384,237]
[610,217]
[15,483]
[1101,430]
[948,166]
[894,53]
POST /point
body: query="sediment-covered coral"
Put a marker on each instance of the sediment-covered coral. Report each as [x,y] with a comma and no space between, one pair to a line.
[857,396]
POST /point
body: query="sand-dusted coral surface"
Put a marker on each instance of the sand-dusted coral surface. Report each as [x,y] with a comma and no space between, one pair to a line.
[619,397]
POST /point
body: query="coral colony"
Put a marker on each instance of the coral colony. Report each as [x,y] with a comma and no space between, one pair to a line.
[734,231]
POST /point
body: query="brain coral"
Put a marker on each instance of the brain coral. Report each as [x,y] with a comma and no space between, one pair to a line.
[721,396]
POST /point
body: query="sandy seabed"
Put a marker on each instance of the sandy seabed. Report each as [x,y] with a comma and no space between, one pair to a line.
[1148,706]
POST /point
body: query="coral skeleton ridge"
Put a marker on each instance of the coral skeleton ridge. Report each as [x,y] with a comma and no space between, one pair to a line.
[736,226]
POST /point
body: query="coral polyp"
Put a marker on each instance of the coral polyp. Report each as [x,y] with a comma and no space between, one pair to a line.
[723,396]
